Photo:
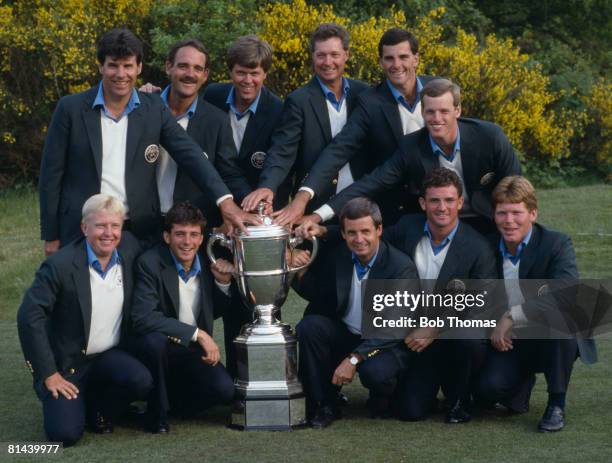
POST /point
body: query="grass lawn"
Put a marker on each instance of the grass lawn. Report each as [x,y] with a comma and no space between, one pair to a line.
[582,212]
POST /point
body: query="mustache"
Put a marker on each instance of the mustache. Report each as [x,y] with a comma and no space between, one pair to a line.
[188,80]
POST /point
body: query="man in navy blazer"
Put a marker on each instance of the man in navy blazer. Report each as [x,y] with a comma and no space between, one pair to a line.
[312,116]
[527,250]
[443,248]
[329,335]
[477,150]
[382,116]
[254,111]
[175,304]
[107,139]
[73,323]
[187,66]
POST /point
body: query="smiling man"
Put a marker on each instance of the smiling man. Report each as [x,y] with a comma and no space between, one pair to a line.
[527,250]
[382,116]
[478,151]
[331,348]
[175,304]
[254,111]
[106,140]
[73,324]
[312,116]
[443,248]
[187,66]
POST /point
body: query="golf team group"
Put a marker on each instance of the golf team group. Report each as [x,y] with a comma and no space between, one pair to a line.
[390,178]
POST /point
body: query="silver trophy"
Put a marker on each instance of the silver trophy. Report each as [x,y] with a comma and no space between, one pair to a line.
[269,393]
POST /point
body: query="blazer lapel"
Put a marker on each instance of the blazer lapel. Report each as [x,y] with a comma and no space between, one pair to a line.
[528,257]
[253,129]
[205,319]
[170,278]
[135,130]
[319,107]
[80,277]
[390,111]
[469,161]
[344,276]
[91,118]
[451,261]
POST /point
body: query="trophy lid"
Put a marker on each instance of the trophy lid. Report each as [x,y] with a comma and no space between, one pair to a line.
[267,230]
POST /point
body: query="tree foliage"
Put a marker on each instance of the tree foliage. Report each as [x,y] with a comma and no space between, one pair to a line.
[542,76]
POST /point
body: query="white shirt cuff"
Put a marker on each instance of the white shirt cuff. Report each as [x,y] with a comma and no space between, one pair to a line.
[310,191]
[325,212]
[224,287]
[223,198]
[518,315]
[194,338]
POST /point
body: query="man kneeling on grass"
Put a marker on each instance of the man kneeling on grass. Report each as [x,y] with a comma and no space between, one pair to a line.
[175,304]
[527,250]
[72,330]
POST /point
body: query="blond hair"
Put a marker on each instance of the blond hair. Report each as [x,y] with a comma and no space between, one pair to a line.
[514,190]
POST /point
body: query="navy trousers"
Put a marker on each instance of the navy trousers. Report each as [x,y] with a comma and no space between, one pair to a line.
[182,381]
[108,383]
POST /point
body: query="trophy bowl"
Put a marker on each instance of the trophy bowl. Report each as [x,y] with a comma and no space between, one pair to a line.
[269,393]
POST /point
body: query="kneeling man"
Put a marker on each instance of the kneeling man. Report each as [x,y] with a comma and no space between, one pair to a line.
[527,250]
[71,326]
[175,304]
[329,335]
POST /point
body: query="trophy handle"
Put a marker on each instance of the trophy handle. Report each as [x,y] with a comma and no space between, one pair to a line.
[222,239]
[296,240]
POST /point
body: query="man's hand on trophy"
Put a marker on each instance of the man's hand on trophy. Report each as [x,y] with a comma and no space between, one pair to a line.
[293,212]
[235,218]
[252,200]
[149,88]
[307,229]
[222,270]
[212,355]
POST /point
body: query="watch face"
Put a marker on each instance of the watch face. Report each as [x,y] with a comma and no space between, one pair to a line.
[354,360]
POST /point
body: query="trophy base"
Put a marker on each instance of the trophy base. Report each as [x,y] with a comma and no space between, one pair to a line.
[269,394]
[268,414]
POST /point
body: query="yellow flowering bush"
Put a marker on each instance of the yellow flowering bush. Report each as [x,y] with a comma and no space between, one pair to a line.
[597,140]
[47,50]
[287,27]
[498,82]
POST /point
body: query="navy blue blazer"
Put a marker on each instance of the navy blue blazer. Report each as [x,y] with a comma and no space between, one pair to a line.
[71,165]
[157,302]
[469,255]
[303,133]
[327,283]
[486,157]
[548,255]
[370,137]
[55,316]
[257,137]
[209,127]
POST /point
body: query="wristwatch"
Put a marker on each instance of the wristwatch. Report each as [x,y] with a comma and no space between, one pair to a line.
[354,359]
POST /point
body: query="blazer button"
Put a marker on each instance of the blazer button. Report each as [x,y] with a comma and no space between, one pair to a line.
[335,181]
[71,371]
[405,187]
[401,208]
